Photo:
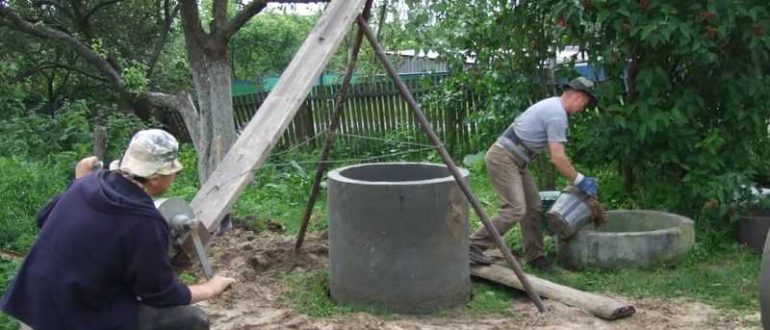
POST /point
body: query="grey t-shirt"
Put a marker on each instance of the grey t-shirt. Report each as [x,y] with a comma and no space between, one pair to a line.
[542,122]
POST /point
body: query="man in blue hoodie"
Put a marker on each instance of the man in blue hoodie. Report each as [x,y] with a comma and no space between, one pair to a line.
[101,259]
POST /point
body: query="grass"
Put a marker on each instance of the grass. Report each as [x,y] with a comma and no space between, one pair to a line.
[309,293]
[491,298]
[726,279]
[723,275]
[8,269]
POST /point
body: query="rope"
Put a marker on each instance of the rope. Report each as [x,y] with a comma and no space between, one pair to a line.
[358,160]
[299,145]
[386,140]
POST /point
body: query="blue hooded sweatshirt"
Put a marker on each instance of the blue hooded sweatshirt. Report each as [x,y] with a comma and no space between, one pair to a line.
[102,251]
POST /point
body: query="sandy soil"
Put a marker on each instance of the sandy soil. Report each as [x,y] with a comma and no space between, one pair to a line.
[257,301]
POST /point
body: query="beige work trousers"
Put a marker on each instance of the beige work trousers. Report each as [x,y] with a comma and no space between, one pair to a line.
[519,201]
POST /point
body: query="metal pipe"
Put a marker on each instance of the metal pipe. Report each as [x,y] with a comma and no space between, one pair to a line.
[339,105]
[363,26]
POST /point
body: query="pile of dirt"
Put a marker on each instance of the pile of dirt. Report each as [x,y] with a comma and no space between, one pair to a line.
[259,262]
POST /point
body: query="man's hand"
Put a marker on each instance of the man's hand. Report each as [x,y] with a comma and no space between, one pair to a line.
[214,287]
[86,165]
[588,184]
[220,283]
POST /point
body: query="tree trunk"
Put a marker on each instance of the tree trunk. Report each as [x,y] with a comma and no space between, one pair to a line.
[213,81]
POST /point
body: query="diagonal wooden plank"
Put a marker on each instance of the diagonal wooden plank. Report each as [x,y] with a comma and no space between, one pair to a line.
[232,175]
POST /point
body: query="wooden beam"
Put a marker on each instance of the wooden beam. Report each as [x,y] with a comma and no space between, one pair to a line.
[100,142]
[232,175]
[603,307]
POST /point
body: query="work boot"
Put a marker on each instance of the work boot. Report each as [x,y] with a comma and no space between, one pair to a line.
[477,256]
[541,264]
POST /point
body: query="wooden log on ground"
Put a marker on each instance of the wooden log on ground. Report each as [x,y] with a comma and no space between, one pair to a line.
[603,307]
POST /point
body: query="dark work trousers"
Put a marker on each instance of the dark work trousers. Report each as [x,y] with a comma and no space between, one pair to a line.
[169,318]
[172,318]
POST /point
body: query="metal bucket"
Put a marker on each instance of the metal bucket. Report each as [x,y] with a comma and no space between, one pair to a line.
[569,212]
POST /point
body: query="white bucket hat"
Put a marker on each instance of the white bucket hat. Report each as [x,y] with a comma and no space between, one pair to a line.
[151,152]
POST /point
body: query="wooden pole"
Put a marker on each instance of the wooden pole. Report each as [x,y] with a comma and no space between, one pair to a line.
[603,307]
[339,105]
[100,142]
[218,194]
[420,116]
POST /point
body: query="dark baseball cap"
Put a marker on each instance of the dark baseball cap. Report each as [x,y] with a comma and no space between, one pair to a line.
[584,85]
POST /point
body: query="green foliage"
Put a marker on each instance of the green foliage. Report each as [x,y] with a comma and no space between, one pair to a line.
[682,121]
[267,43]
[279,194]
[763,203]
[25,186]
[35,136]
[134,76]
[281,187]
[692,123]
[12,95]
[51,71]
[186,183]
[188,278]
[120,128]
[7,270]
[509,46]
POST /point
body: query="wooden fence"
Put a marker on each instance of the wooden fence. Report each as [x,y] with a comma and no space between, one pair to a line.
[374,110]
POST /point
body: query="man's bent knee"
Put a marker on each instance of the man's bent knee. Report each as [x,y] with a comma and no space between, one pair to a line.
[171,318]
[197,319]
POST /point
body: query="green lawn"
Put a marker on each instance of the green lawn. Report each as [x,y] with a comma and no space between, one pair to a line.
[723,275]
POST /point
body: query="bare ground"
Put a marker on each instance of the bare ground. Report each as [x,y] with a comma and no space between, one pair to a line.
[257,300]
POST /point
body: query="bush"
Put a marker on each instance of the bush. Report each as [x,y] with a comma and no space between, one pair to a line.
[186,183]
[34,136]
[25,186]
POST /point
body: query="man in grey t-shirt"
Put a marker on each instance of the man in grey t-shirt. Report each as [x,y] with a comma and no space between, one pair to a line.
[542,126]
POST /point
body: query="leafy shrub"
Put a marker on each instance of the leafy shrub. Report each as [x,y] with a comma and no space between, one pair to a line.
[186,182]
[25,186]
[120,128]
[7,270]
[36,136]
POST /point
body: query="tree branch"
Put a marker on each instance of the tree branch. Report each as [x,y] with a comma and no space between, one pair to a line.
[81,23]
[168,20]
[253,8]
[99,6]
[47,66]
[243,16]
[219,12]
[9,17]
[191,22]
[183,103]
